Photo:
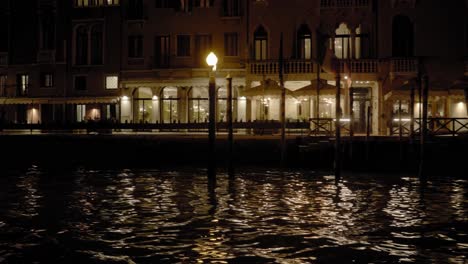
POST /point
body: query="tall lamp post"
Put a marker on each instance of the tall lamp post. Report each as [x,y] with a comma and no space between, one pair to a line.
[212,60]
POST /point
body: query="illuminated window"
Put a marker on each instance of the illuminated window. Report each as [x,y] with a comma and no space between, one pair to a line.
[47,80]
[231,44]
[82,3]
[22,84]
[95,3]
[304,41]
[183,45]
[261,43]
[80,113]
[170,105]
[112,82]
[198,104]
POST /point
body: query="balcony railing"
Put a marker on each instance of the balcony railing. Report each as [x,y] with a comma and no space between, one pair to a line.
[360,66]
[3,58]
[271,67]
[344,3]
[46,56]
[403,65]
[306,66]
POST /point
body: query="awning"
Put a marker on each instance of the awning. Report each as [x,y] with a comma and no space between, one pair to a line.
[86,100]
[311,89]
[68,100]
[24,100]
[265,89]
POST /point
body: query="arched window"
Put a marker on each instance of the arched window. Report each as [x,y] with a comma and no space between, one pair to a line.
[143,105]
[48,31]
[81,55]
[96,44]
[261,43]
[198,104]
[222,104]
[169,105]
[304,42]
[402,36]
[342,42]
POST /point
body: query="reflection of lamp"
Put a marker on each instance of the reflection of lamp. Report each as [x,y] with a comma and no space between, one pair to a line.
[212,60]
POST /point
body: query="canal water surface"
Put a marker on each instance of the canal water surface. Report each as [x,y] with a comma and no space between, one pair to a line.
[260,216]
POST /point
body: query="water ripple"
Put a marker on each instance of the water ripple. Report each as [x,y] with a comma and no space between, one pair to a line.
[152,216]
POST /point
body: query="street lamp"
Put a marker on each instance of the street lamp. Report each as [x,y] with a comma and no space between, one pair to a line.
[212,60]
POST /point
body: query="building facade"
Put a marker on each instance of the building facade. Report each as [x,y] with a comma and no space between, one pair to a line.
[143,61]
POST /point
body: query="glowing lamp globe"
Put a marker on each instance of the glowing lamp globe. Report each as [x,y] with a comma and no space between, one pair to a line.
[212,60]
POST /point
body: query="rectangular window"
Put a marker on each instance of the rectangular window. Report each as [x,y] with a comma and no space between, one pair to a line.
[231,8]
[80,83]
[260,49]
[231,44]
[22,84]
[183,45]
[305,48]
[81,3]
[202,49]
[112,82]
[3,85]
[92,3]
[135,47]
[135,9]
[112,2]
[47,80]
[203,3]
[80,113]
[161,51]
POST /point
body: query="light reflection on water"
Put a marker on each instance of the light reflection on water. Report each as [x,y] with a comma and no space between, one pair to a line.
[151,216]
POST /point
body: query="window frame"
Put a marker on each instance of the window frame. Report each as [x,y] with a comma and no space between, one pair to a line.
[44,82]
[86,82]
[228,41]
[178,46]
[106,81]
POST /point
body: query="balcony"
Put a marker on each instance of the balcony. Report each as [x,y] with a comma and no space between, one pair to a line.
[325,4]
[3,59]
[302,69]
[46,57]
[403,66]
[271,67]
[360,66]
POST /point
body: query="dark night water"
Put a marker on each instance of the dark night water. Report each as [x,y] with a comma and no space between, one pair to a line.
[153,216]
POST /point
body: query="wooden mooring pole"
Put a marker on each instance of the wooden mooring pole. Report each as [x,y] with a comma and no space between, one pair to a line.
[229,123]
[423,126]
[337,164]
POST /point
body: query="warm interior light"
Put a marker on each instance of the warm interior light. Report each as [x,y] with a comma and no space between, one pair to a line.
[125,98]
[212,60]
[346,77]
[155,97]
